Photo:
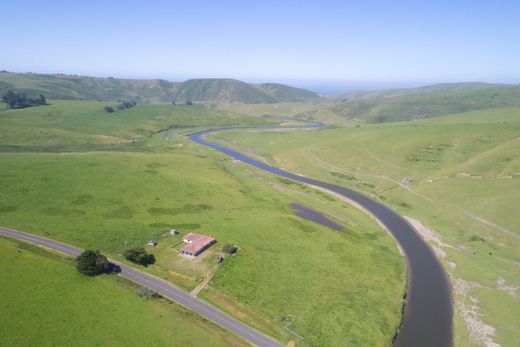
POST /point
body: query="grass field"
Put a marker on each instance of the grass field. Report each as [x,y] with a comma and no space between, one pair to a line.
[430,104]
[321,111]
[84,125]
[459,175]
[45,302]
[390,105]
[78,177]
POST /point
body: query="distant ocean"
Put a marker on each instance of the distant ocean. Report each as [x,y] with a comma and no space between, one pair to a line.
[333,87]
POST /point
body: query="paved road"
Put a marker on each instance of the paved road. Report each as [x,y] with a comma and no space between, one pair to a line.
[166,289]
[427,318]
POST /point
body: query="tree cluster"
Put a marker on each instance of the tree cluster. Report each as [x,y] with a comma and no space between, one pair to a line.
[122,106]
[126,104]
[139,256]
[92,263]
[20,100]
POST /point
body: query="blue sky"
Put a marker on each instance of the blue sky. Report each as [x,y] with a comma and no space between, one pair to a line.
[363,42]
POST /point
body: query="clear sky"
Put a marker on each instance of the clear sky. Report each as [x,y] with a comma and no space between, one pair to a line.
[394,42]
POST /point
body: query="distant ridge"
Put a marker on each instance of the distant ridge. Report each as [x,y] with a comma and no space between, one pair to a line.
[230,90]
[59,86]
[429,89]
[430,101]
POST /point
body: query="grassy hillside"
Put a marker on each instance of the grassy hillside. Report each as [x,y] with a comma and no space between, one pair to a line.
[77,176]
[221,89]
[425,102]
[430,89]
[408,107]
[76,125]
[150,91]
[46,302]
[69,87]
[459,175]
[283,93]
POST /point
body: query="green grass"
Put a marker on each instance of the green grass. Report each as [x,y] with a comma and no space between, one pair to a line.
[84,125]
[44,301]
[332,288]
[456,167]
[291,111]
[419,106]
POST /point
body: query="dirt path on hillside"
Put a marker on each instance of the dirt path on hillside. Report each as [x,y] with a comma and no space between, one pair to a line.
[195,292]
[329,166]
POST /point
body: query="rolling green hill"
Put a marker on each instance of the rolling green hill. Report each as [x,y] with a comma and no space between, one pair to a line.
[287,94]
[72,87]
[429,104]
[430,89]
[230,90]
[220,90]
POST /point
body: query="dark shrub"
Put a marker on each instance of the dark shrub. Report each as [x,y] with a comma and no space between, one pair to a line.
[139,256]
[229,248]
[126,104]
[92,263]
[148,293]
[109,109]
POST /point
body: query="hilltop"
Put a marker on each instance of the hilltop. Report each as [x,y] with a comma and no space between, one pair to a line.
[230,90]
[73,87]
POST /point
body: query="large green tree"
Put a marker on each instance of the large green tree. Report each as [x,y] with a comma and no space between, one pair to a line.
[92,263]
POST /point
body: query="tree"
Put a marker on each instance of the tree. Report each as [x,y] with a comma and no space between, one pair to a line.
[109,109]
[189,102]
[92,263]
[10,99]
[139,256]
[42,100]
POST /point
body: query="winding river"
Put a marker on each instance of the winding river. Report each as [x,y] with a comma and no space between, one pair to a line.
[427,316]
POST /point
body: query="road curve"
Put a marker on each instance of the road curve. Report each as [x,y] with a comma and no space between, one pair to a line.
[427,317]
[166,289]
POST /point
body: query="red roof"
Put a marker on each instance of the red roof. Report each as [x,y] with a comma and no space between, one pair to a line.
[196,243]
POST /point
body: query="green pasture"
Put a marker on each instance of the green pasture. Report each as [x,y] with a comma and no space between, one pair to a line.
[291,278]
[45,302]
[458,175]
